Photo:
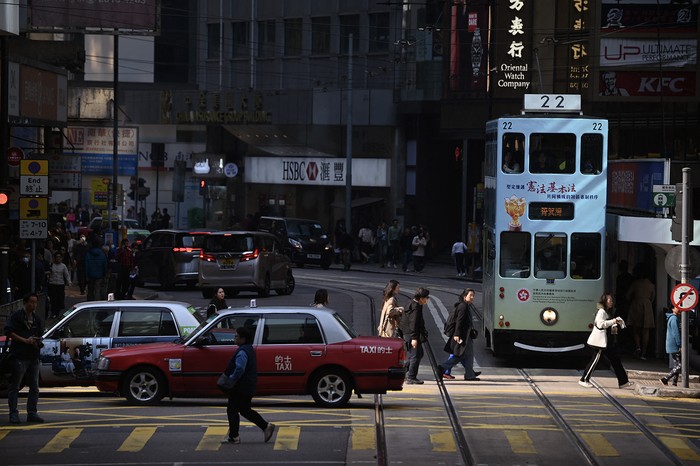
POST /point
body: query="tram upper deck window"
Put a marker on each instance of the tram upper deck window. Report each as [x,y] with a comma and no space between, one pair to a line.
[585,256]
[591,154]
[552,153]
[550,255]
[512,153]
[515,254]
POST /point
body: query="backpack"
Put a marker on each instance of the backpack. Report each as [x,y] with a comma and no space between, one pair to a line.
[449,328]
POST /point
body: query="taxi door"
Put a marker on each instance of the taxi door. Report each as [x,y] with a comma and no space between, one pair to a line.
[290,348]
[204,360]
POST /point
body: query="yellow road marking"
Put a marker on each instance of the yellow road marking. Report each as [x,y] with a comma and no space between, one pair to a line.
[680,448]
[137,439]
[599,445]
[520,442]
[287,438]
[442,440]
[61,440]
[211,440]
[3,433]
[363,438]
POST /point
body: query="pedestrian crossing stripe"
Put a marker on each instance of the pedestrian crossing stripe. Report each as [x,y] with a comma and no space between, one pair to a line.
[61,441]
[442,440]
[599,445]
[520,442]
[363,438]
[680,448]
[211,440]
[287,438]
[138,439]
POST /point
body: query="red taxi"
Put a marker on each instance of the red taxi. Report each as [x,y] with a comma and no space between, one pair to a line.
[299,351]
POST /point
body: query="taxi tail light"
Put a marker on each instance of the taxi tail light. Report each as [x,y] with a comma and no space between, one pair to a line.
[402,356]
[248,256]
[206,257]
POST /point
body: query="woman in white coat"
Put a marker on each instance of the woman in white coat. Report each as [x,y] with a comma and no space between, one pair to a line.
[603,345]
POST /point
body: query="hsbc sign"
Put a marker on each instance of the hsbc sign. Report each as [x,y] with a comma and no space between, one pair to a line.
[322,171]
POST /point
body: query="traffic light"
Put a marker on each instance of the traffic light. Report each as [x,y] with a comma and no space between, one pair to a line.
[676,222]
[4,199]
[203,187]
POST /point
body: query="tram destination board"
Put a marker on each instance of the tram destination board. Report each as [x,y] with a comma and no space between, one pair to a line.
[550,211]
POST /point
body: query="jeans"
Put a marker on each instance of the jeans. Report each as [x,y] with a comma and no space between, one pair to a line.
[459,262]
[30,367]
[240,404]
[407,257]
[413,357]
[467,360]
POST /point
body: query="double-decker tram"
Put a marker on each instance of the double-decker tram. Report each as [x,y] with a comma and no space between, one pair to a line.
[544,227]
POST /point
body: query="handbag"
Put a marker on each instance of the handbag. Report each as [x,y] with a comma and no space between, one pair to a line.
[473,333]
[225,383]
[6,359]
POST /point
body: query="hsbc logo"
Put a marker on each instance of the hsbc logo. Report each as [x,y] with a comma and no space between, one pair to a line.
[311,171]
[656,85]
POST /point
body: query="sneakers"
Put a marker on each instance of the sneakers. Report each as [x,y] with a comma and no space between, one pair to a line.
[411,381]
[664,380]
[14,419]
[232,440]
[583,383]
[627,385]
[34,418]
[269,431]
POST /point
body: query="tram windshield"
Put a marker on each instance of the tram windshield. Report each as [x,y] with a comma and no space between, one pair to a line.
[552,153]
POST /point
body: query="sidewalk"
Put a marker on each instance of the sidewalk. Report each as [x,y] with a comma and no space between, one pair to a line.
[646,373]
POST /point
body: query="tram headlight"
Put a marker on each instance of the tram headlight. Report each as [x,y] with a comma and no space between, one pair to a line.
[549,316]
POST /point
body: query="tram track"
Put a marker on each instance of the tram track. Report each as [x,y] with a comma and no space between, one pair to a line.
[580,445]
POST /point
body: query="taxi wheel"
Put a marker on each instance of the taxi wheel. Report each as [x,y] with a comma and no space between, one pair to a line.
[331,388]
[143,386]
[264,292]
[289,288]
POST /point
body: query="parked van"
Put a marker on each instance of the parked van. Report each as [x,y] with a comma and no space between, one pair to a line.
[304,241]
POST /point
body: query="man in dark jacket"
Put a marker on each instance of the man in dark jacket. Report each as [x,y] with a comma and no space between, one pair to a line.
[242,370]
[413,328]
[95,271]
[460,345]
[24,328]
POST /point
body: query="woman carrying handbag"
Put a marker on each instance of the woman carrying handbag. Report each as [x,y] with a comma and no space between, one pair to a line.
[603,343]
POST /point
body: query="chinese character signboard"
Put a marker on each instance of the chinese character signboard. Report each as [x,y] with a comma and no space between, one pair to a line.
[95,147]
[512,48]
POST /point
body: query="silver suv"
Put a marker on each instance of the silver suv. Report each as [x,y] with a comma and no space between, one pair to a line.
[244,261]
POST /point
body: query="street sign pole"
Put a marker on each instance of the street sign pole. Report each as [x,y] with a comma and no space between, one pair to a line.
[686,221]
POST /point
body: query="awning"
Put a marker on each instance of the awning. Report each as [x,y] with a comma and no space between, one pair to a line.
[272,139]
[359,202]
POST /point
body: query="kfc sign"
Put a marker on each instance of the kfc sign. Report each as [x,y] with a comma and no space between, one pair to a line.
[647,84]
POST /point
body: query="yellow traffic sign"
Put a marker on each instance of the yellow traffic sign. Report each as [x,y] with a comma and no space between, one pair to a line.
[33,208]
[34,167]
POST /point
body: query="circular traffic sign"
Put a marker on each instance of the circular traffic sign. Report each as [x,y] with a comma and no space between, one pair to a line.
[14,156]
[684,296]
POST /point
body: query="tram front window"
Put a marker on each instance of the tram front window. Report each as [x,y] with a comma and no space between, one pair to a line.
[585,256]
[515,254]
[550,255]
[552,153]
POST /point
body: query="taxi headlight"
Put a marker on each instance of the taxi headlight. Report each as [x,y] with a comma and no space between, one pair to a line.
[102,363]
[295,244]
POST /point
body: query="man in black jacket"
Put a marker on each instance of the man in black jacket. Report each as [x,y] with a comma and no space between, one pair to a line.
[242,370]
[24,329]
[413,328]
